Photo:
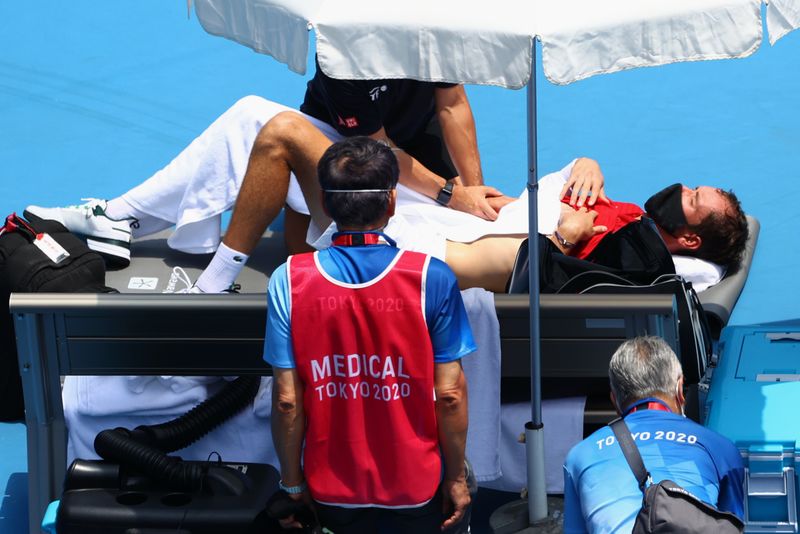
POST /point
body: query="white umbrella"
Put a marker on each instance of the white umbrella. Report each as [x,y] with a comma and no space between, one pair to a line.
[489,43]
[492,43]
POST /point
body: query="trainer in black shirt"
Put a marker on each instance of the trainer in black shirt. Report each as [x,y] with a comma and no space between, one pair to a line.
[405,109]
[431,123]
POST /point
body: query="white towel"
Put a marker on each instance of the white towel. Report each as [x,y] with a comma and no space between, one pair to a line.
[420,224]
[563,428]
[93,404]
[482,370]
[701,273]
[98,396]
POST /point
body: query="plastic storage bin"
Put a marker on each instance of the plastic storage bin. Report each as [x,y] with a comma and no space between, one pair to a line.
[754,399]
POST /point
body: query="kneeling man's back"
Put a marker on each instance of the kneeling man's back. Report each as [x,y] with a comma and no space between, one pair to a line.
[601,492]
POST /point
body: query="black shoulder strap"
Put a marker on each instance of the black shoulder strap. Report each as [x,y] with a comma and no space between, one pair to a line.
[631,452]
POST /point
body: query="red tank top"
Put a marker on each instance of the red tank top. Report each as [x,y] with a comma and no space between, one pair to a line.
[613,215]
[364,356]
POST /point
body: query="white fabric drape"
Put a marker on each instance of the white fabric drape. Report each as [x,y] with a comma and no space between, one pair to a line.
[490,42]
[783,16]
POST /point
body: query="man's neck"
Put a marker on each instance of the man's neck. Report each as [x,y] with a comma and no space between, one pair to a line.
[667,402]
[669,241]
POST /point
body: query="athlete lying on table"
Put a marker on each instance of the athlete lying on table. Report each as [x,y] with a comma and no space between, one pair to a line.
[705,222]
[698,226]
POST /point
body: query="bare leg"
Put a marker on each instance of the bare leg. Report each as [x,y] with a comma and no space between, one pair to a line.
[287,143]
[485,263]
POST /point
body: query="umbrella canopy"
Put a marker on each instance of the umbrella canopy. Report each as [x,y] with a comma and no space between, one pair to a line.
[490,42]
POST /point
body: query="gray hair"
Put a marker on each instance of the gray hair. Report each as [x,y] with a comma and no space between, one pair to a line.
[643,367]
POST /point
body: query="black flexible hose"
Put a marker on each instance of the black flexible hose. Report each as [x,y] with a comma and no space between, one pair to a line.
[145,448]
[203,418]
[118,446]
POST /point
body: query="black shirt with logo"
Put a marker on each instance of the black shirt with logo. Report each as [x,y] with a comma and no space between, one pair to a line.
[361,107]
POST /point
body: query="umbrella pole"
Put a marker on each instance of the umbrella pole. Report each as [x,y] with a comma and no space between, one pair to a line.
[534,429]
[531,514]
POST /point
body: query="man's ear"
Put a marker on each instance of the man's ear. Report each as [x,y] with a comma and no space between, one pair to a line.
[679,396]
[689,240]
[392,203]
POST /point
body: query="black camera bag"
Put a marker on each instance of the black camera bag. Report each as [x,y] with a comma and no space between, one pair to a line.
[24,268]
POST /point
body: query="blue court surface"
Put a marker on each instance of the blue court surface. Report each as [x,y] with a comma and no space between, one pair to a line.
[96,96]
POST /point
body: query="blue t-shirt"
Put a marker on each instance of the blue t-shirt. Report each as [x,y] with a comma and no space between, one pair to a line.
[445,315]
[601,493]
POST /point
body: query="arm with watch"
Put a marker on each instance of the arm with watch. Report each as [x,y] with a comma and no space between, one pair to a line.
[575,226]
[479,200]
[346,98]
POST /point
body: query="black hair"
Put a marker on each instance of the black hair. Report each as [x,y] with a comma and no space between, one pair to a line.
[357,163]
[723,235]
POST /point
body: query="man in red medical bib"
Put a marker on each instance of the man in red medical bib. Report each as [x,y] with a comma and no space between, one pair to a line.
[369,413]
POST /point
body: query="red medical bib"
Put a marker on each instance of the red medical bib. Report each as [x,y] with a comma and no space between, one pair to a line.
[365,358]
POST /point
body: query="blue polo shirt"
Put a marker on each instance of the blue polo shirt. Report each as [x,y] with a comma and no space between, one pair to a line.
[445,315]
[601,493]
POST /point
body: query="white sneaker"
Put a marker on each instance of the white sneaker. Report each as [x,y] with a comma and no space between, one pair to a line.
[111,238]
[179,276]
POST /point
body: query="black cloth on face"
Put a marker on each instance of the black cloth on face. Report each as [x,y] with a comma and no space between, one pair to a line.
[666,208]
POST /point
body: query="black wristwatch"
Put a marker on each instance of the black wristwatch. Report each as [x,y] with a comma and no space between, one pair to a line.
[445,193]
[564,242]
